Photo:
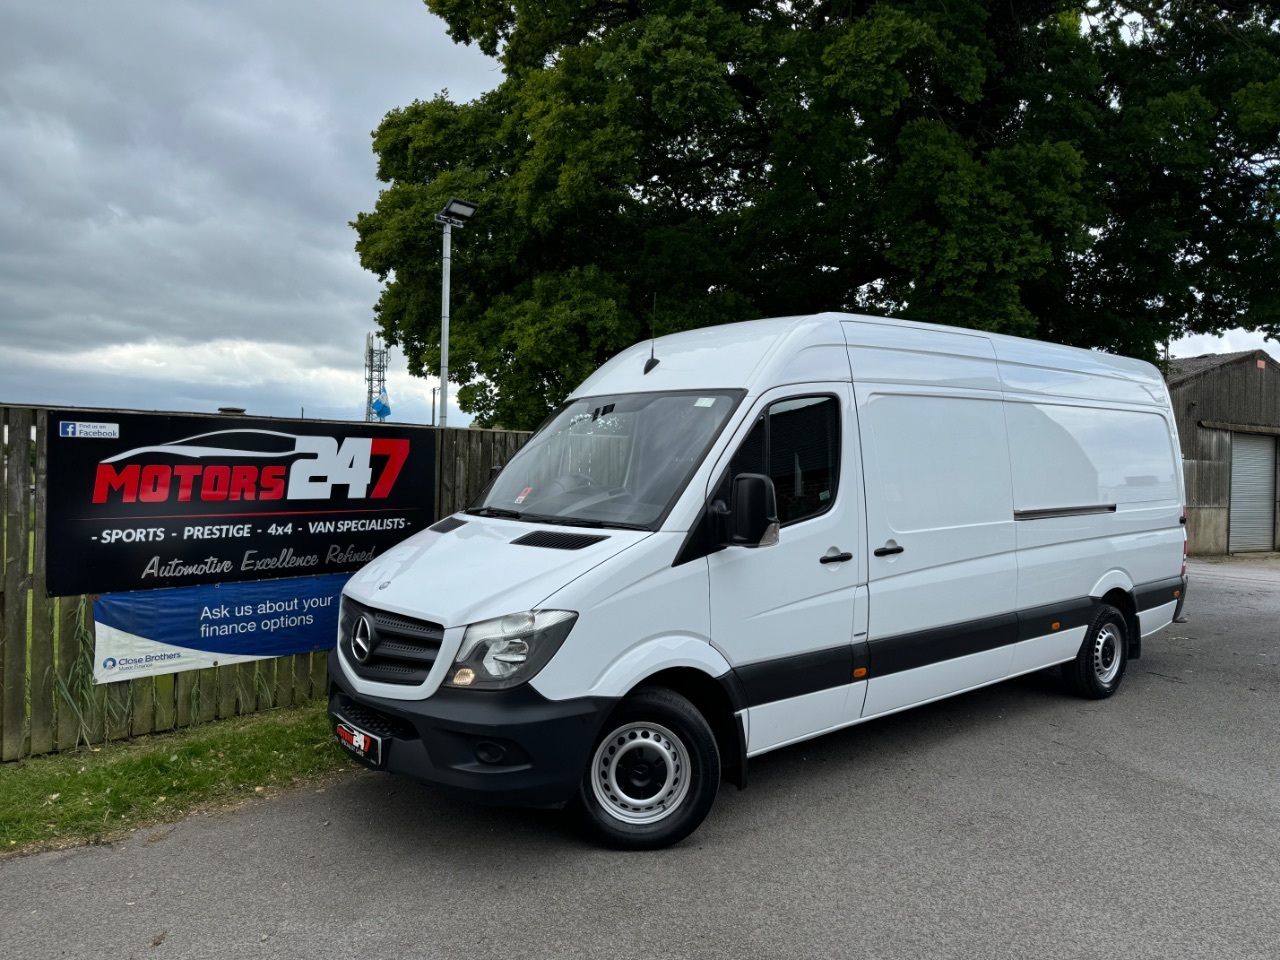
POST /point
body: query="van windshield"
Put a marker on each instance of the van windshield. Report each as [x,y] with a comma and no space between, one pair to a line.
[609,461]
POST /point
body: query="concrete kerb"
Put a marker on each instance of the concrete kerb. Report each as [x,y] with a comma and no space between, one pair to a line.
[1266,560]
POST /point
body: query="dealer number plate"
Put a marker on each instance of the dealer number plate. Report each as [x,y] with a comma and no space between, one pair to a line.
[364,745]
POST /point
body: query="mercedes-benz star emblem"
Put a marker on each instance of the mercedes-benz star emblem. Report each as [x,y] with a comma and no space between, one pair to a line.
[362,640]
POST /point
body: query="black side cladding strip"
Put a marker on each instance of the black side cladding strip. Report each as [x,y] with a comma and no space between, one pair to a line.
[911,650]
[788,677]
[1038,621]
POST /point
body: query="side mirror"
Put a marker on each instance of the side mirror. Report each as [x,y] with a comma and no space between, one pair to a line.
[753,520]
[494,471]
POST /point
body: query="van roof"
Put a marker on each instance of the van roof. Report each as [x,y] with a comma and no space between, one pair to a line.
[795,349]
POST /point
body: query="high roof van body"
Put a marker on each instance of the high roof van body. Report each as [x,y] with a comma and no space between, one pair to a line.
[737,538]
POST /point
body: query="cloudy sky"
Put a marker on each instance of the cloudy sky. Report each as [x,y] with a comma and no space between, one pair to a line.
[176,182]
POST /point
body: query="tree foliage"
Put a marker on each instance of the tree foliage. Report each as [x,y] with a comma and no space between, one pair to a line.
[1101,174]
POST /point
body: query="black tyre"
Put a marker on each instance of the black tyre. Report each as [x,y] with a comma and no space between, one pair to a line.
[654,772]
[1098,668]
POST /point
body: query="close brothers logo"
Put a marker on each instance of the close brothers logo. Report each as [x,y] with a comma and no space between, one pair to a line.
[109,663]
[311,467]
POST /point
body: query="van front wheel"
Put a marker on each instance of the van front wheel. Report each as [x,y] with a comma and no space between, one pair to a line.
[654,772]
[1096,671]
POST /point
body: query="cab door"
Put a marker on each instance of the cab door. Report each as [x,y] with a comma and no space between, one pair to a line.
[785,616]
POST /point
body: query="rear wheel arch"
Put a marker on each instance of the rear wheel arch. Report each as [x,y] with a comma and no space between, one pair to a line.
[1123,601]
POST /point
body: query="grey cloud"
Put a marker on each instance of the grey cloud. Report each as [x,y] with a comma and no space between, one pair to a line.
[184,172]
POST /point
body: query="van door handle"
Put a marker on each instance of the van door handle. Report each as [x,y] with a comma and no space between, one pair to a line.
[836,558]
[888,551]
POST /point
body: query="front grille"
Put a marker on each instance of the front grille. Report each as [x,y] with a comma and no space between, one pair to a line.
[403,650]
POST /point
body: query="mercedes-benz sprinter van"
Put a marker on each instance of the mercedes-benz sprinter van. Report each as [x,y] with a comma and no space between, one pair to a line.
[733,539]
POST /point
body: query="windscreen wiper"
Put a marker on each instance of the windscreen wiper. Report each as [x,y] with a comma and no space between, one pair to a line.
[494,512]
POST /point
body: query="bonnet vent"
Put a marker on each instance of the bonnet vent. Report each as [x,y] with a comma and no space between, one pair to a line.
[555,540]
[447,524]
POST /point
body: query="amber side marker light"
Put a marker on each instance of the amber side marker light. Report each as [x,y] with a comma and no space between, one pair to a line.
[859,673]
[1055,625]
[1177,594]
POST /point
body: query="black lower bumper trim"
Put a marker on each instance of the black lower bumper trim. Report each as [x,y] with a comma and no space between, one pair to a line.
[1182,598]
[509,747]
[1148,596]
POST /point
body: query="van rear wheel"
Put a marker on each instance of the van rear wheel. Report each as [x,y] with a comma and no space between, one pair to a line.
[654,772]
[1098,668]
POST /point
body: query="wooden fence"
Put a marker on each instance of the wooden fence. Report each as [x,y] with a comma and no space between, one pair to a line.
[48,700]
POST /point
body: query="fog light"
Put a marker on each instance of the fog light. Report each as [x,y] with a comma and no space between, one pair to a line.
[489,752]
[464,677]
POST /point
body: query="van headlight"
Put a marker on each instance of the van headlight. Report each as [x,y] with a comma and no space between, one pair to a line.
[506,651]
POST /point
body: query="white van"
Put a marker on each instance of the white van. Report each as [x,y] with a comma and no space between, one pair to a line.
[737,538]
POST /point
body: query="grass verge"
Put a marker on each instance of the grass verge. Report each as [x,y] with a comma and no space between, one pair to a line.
[96,795]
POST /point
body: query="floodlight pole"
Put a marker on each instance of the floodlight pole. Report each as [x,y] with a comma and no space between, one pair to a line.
[444,322]
[456,213]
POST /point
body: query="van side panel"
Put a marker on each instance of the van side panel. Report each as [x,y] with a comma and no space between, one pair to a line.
[897,691]
[784,722]
[1045,650]
[1032,368]
[1097,492]
[1157,618]
[1067,455]
[940,511]
[902,355]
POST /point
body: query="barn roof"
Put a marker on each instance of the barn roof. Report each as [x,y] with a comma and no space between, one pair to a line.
[1182,369]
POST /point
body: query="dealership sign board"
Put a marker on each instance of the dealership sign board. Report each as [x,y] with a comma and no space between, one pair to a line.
[144,501]
[151,632]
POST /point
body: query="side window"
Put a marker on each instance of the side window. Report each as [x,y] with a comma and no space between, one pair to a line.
[796,443]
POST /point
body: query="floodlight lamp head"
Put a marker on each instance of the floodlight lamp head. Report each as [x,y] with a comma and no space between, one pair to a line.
[457,211]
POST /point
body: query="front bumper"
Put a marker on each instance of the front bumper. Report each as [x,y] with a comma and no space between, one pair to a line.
[507,747]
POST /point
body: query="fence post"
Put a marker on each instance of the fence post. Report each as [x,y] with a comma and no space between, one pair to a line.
[17,581]
[70,717]
[42,608]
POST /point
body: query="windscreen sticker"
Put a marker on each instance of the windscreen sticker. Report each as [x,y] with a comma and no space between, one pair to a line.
[705,402]
[524,493]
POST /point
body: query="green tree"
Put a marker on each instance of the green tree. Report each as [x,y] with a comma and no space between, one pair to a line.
[1098,174]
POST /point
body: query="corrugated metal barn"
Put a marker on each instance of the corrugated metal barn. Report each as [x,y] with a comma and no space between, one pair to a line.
[1228,410]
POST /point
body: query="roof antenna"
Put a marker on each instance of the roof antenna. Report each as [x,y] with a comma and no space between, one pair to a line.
[652,361]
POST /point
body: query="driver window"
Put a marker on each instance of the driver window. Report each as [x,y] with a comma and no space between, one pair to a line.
[796,443]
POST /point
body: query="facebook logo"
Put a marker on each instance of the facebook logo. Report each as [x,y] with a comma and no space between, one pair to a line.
[78,428]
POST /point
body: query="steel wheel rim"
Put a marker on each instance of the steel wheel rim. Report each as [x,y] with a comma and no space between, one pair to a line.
[640,773]
[1107,654]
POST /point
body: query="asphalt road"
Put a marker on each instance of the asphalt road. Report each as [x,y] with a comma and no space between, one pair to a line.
[1013,822]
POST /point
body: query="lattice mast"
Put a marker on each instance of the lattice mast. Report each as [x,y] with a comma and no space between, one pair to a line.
[375,373]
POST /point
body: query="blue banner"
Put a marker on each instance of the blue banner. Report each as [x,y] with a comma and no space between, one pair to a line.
[164,631]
